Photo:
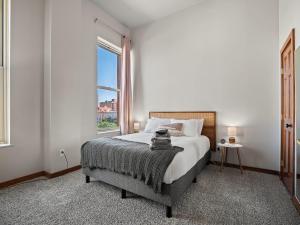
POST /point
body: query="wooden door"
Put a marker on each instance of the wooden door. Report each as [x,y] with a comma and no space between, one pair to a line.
[288,112]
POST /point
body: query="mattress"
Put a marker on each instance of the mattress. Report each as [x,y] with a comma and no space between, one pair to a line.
[194,149]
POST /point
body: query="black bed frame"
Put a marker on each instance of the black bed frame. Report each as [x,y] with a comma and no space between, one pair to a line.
[170,192]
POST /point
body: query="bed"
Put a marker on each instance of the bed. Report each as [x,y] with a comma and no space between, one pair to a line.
[181,172]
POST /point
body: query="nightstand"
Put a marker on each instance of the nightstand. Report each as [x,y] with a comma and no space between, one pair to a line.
[224,152]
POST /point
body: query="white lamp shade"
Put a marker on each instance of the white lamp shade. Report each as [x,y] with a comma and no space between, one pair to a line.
[136,125]
[231,131]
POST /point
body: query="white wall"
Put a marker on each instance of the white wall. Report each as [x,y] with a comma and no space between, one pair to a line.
[221,56]
[64,83]
[27,36]
[70,84]
[289,18]
[222,34]
[53,78]
[297,83]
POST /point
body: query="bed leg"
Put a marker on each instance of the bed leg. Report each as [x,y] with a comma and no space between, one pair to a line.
[123,193]
[87,179]
[169,211]
[195,180]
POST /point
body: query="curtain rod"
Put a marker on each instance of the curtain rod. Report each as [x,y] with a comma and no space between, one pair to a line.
[108,26]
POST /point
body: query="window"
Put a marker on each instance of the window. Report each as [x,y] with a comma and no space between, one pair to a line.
[108,59]
[4,78]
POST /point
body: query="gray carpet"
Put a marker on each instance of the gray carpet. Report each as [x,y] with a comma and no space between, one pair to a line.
[218,198]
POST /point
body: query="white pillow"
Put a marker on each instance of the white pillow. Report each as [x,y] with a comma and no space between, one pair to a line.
[192,127]
[154,123]
[200,123]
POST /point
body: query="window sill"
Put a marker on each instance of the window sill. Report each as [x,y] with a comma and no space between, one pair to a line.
[108,132]
[5,145]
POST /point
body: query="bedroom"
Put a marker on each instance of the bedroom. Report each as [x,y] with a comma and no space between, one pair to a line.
[187,56]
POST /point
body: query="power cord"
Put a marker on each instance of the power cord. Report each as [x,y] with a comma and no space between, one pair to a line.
[67,162]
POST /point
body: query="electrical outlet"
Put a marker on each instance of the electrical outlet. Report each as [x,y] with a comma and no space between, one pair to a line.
[61,152]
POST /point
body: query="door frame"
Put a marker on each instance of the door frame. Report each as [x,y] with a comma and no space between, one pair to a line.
[290,39]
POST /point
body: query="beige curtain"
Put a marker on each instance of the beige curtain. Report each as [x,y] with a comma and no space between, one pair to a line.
[126,121]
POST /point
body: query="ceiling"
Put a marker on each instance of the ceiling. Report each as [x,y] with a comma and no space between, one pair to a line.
[134,13]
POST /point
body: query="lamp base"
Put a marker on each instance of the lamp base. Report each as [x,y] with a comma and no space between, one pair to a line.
[231,140]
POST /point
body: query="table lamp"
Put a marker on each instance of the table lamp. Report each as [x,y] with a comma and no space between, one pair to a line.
[232,134]
[136,126]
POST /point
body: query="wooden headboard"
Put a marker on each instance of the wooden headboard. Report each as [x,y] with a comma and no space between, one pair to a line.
[209,127]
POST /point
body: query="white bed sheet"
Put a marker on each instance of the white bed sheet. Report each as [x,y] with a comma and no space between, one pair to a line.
[194,149]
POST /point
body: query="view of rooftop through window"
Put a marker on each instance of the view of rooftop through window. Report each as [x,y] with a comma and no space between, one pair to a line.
[107,89]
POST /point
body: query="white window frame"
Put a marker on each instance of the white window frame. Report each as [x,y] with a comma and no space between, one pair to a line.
[6,70]
[101,42]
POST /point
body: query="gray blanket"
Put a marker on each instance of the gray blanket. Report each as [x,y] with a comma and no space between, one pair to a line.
[130,158]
